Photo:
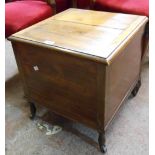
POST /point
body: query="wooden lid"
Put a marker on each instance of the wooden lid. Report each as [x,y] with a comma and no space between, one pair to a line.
[93,33]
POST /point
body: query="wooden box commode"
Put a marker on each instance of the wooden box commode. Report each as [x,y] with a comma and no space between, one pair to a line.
[81,64]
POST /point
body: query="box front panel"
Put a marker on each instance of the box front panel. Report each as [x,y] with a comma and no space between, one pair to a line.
[64,83]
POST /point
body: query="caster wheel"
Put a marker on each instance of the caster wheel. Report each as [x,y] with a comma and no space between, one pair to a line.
[103,149]
[136,89]
[101,140]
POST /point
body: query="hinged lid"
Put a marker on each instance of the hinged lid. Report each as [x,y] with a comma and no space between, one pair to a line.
[92,33]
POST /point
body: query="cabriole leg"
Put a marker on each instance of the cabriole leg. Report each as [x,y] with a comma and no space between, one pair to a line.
[32,110]
[136,89]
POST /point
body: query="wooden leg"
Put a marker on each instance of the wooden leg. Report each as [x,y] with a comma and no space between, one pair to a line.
[136,88]
[101,141]
[32,110]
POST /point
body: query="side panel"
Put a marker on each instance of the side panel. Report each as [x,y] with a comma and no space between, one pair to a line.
[122,75]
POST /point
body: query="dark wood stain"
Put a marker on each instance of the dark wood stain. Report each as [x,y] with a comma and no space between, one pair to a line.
[81,88]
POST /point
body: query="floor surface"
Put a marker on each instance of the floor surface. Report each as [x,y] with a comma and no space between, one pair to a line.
[127,135]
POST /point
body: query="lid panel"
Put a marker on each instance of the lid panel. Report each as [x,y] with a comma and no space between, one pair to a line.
[87,39]
[90,32]
[97,18]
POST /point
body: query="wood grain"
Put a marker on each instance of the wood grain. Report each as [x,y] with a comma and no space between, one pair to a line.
[101,37]
[81,64]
